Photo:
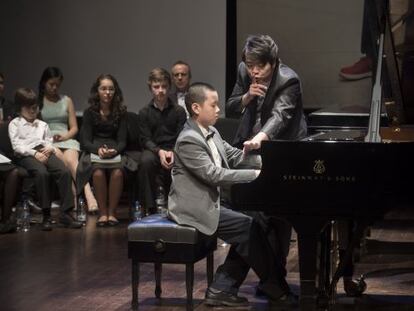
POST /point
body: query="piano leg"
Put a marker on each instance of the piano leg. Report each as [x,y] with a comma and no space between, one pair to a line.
[308,231]
[324,267]
[361,225]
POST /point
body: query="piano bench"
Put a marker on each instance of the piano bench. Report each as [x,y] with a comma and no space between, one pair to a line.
[156,239]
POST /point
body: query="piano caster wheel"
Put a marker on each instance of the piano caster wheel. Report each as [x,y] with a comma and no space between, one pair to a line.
[355,288]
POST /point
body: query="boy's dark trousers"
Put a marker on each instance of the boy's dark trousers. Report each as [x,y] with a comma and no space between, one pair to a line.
[43,173]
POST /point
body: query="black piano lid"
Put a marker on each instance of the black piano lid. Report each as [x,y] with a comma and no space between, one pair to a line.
[337,117]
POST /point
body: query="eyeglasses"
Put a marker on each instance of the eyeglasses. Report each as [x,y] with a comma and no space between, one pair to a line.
[107,89]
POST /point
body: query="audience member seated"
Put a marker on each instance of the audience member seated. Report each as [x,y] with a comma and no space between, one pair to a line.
[10,178]
[160,122]
[181,78]
[59,113]
[27,190]
[133,150]
[7,110]
[31,141]
[9,173]
[103,138]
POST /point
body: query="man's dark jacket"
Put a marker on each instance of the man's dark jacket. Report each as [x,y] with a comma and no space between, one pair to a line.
[282,112]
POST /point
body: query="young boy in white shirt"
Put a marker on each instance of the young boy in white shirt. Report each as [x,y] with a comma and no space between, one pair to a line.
[31,140]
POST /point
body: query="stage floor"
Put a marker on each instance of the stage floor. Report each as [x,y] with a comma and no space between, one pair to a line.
[88,269]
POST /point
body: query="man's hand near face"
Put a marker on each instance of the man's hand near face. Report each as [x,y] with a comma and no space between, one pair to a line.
[255,89]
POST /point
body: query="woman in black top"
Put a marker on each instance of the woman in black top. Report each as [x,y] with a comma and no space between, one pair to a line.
[10,178]
[103,138]
[9,173]
[7,110]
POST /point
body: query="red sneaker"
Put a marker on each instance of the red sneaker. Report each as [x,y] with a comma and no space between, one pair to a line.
[360,70]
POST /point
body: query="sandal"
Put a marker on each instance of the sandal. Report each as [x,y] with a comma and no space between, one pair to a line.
[102,221]
[92,206]
[112,221]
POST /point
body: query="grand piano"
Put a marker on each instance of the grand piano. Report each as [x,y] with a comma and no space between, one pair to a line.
[358,173]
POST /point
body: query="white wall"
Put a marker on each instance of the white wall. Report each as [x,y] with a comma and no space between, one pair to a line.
[316,38]
[126,38]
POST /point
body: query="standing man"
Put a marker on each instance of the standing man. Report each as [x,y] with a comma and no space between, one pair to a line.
[181,77]
[268,98]
[201,167]
[159,124]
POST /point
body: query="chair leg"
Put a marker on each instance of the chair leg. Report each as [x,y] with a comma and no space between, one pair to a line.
[210,267]
[158,271]
[189,282]
[135,284]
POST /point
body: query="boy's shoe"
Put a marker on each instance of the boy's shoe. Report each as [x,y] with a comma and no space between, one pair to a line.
[46,223]
[8,227]
[222,298]
[288,300]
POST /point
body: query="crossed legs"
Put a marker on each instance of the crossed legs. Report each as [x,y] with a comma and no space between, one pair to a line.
[70,158]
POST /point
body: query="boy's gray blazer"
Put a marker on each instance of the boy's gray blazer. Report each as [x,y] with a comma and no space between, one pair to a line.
[195,190]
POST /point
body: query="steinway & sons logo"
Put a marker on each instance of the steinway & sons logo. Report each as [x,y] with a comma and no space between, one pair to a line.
[319,170]
[319,167]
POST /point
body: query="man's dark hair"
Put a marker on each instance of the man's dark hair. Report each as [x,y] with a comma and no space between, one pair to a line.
[261,49]
[1,75]
[197,94]
[25,97]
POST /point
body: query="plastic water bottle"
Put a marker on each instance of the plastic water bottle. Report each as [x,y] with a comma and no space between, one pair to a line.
[161,201]
[136,211]
[25,217]
[80,212]
[18,215]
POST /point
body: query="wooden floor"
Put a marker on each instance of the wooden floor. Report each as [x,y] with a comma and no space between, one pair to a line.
[88,269]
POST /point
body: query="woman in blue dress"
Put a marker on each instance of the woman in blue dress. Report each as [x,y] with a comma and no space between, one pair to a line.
[58,112]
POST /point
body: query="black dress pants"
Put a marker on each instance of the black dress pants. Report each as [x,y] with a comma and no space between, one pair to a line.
[278,233]
[43,174]
[150,176]
[249,249]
